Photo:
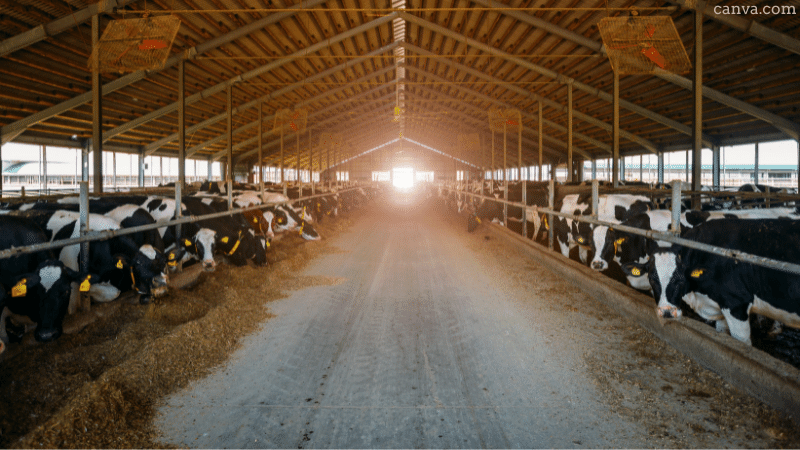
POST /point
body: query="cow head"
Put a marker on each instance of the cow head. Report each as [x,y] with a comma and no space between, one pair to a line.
[146,269]
[605,244]
[44,294]
[668,282]
[202,245]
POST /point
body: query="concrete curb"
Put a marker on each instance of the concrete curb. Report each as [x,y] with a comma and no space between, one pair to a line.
[765,378]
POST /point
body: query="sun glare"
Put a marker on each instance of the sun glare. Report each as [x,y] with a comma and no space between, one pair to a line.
[403,177]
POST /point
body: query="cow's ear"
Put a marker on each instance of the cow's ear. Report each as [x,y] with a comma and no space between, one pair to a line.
[175,255]
[633,269]
[700,273]
[121,262]
[24,283]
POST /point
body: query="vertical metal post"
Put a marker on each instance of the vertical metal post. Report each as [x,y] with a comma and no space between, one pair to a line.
[569,132]
[229,162]
[114,171]
[641,168]
[505,174]
[551,196]
[797,143]
[660,167]
[261,148]
[493,173]
[181,145]
[210,168]
[540,142]
[622,168]
[1,168]
[44,168]
[755,166]
[615,134]
[676,208]
[85,160]
[525,209]
[697,116]
[283,179]
[594,169]
[595,198]
[83,211]
[715,166]
[97,110]
[310,162]
[297,178]
[519,147]
[140,179]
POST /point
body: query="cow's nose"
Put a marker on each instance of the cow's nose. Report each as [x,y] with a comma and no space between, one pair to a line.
[47,335]
[598,265]
[669,312]
[209,266]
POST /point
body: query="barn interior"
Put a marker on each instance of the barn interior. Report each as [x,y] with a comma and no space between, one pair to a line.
[361,86]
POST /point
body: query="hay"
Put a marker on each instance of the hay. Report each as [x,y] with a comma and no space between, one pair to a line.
[100,387]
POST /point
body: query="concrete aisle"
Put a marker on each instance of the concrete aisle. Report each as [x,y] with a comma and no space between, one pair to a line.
[428,342]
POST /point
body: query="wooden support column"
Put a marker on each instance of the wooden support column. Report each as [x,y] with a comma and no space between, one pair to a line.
[697,109]
[615,134]
[97,111]
[569,132]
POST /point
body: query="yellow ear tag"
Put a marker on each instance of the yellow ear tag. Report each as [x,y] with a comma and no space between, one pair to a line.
[86,285]
[478,219]
[171,256]
[255,219]
[21,289]
[696,273]
[636,272]
[580,240]
[172,263]
[120,265]
[187,243]
[225,240]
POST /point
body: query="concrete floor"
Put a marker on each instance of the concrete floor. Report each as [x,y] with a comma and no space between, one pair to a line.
[432,339]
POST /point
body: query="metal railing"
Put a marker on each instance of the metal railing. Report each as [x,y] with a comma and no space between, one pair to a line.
[652,234]
[108,234]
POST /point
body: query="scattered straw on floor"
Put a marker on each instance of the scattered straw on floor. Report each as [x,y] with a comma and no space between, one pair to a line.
[100,387]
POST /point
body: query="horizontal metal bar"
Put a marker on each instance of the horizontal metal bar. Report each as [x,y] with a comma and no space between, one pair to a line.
[656,235]
[108,234]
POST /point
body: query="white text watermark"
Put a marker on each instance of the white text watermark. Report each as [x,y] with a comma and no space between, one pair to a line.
[755,10]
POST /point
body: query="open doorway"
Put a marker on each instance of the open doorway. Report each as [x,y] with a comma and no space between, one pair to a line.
[403,177]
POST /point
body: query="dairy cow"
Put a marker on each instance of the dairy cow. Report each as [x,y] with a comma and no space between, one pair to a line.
[120,264]
[725,290]
[34,285]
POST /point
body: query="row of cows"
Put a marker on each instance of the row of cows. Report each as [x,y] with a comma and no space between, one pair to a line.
[43,287]
[716,288]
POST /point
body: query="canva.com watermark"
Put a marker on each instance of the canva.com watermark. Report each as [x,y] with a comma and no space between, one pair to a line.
[755,10]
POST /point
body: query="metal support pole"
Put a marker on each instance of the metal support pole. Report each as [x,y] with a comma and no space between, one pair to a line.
[85,160]
[641,167]
[595,197]
[97,111]
[181,145]
[140,180]
[519,148]
[525,210]
[697,92]
[550,202]
[505,174]
[210,168]
[594,169]
[622,168]
[83,211]
[297,178]
[615,134]
[755,166]
[715,166]
[569,133]
[283,179]
[676,209]
[660,167]
[493,173]
[540,142]
[44,168]
[229,162]
[261,148]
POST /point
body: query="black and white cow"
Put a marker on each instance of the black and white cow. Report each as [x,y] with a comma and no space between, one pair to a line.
[34,285]
[119,263]
[632,252]
[613,208]
[725,290]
